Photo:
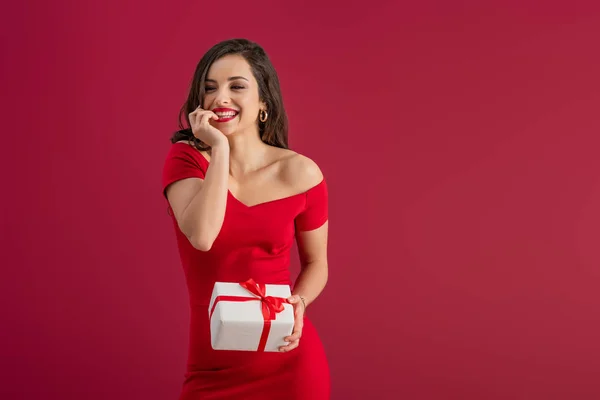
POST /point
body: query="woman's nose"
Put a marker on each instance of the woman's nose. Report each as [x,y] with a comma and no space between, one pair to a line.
[222,98]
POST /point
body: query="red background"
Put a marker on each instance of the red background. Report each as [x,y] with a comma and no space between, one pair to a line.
[460,142]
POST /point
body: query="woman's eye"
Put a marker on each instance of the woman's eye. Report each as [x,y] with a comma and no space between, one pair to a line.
[209,89]
[237,87]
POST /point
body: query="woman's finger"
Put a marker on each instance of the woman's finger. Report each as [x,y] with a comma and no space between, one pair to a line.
[299,322]
[206,116]
[294,336]
[297,332]
[290,346]
[195,116]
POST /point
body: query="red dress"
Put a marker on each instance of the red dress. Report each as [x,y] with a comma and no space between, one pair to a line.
[254,242]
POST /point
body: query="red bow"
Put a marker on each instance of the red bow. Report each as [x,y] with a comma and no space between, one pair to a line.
[270,306]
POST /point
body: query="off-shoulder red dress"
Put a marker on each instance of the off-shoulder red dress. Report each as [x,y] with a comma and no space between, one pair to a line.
[254,242]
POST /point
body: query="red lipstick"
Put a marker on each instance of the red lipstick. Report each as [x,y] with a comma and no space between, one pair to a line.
[225,114]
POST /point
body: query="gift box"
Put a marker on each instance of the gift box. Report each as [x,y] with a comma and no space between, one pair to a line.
[250,316]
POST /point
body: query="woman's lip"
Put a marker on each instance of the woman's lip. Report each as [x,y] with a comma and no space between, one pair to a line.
[225,110]
[222,109]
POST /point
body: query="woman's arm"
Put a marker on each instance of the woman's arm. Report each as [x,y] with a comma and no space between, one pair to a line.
[311,228]
[311,236]
[312,248]
[199,205]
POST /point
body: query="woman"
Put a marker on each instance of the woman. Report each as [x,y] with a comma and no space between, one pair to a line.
[238,197]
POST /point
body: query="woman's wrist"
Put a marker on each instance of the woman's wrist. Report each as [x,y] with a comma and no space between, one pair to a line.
[303,299]
[220,148]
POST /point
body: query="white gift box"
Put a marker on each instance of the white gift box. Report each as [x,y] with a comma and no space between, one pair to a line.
[238,321]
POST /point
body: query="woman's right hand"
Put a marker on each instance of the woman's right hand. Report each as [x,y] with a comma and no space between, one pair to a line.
[203,130]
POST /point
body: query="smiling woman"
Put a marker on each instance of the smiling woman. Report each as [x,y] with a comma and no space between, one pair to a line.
[258,71]
[238,197]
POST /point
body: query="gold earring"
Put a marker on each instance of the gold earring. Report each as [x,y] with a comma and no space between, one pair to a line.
[263,115]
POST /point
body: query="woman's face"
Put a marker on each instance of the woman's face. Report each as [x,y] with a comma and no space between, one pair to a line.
[231,92]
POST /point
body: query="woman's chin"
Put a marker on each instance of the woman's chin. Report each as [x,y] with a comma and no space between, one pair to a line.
[227,132]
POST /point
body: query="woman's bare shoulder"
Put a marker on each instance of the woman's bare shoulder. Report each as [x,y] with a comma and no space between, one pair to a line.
[300,170]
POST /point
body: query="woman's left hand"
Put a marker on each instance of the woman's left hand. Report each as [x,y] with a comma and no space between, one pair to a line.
[294,338]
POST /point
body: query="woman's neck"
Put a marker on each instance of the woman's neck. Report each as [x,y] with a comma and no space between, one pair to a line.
[247,153]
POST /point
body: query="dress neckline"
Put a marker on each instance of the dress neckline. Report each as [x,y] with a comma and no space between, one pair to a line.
[238,201]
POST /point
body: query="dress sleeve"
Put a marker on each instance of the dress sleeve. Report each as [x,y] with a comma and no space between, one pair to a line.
[315,212]
[181,162]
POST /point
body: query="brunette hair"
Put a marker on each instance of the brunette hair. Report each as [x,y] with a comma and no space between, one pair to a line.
[274,131]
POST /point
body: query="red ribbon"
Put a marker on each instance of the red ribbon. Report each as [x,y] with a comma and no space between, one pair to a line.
[270,306]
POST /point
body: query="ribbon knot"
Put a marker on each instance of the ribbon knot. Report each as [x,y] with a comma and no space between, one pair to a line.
[270,305]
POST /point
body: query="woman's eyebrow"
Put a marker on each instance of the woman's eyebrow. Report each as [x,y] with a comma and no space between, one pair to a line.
[231,78]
